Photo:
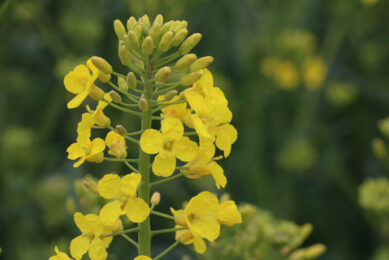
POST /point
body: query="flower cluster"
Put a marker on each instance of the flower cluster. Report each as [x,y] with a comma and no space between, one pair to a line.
[165,83]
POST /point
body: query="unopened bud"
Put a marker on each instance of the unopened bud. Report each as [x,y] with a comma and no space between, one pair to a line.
[190,43]
[90,185]
[131,80]
[379,148]
[185,61]
[104,77]
[166,27]
[131,40]
[178,25]
[122,83]
[131,23]
[306,230]
[101,64]
[191,78]
[158,19]
[179,37]
[311,252]
[144,21]
[143,104]
[138,30]
[201,63]
[124,55]
[121,130]
[96,93]
[170,95]
[155,32]
[180,219]
[115,96]
[155,198]
[119,29]
[147,46]
[164,44]
[163,74]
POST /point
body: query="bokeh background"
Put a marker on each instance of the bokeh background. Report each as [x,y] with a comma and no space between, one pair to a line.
[307,81]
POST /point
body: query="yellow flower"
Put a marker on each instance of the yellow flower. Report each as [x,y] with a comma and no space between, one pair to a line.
[179,111]
[369,2]
[80,82]
[85,149]
[168,144]
[92,239]
[286,75]
[116,144]
[314,72]
[59,255]
[142,257]
[111,186]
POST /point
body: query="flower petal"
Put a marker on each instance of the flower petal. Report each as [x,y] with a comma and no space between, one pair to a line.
[199,245]
[110,186]
[110,213]
[151,141]
[136,210]
[225,137]
[185,149]
[130,184]
[172,129]
[164,164]
[97,250]
[77,100]
[79,246]
[217,174]
[228,213]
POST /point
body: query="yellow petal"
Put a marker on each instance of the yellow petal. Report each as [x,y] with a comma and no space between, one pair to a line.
[200,127]
[136,210]
[79,246]
[79,162]
[97,250]
[59,255]
[199,245]
[142,257]
[110,213]
[164,164]
[110,186]
[172,129]
[75,80]
[98,145]
[217,174]
[225,137]
[77,100]
[228,213]
[130,184]
[185,149]
[151,141]
[75,151]
[196,101]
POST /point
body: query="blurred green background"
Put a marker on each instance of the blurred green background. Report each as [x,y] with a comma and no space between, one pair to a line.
[307,81]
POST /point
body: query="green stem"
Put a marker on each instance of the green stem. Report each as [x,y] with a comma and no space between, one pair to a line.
[166,179]
[118,74]
[144,233]
[120,160]
[130,240]
[162,215]
[167,250]
[124,109]
[129,95]
[131,230]
[167,230]
[135,141]
[131,167]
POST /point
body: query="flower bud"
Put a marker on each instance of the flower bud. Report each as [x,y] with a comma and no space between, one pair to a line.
[131,40]
[122,83]
[131,80]
[170,95]
[190,43]
[147,46]
[131,23]
[178,25]
[104,77]
[119,29]
[163,74]
[379,148]
[191,78]
[383,125]
[311,252]
[121,130]
[96,93]
[138,30]
[180,219]
[124,55]
[155,198]
[101,64]
[179,37]
[166,27]
[185,61]
[115,96]
[144,21]
[155,32]
[143,104]
[201,63]
[90,185]
[164,44]
[158,19]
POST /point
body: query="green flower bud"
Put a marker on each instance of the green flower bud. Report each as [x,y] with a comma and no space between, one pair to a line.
[191,78]
[122,83]
[90,185]
[166,27]
[170,95]
[96,93]
[164,44]
[379,148]
[201,63]
[101,64]
[131,23]
[158,20]
[185,61]
[115,96]
[144,21]
[119,29]
[163,74]
[124,55]
[178,25]
[147,46]
[190,43]
[311,252]
[155,32]
[121,130]
[383,125]
[131,80]
[138,31]
[179,37]
[131,41]
[143,104]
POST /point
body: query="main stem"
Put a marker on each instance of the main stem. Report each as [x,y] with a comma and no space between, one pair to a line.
[144,233]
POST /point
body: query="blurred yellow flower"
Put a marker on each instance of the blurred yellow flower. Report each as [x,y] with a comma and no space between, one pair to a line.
[59,255]
[383,125]
[283,72]
[314,72]
[369,2]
